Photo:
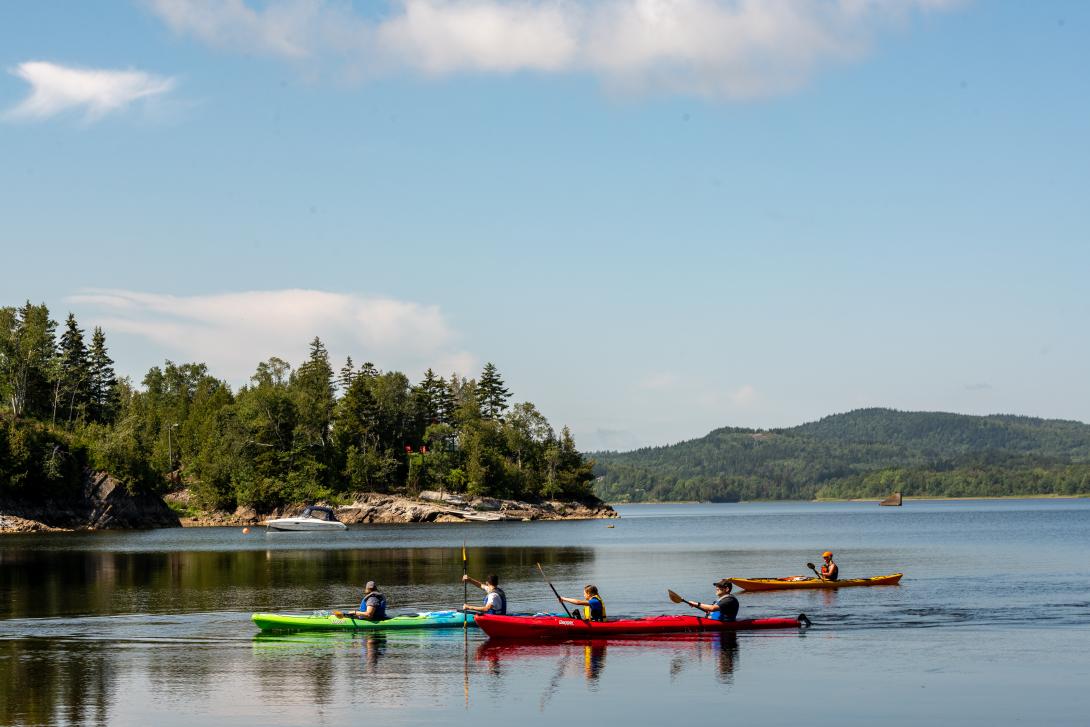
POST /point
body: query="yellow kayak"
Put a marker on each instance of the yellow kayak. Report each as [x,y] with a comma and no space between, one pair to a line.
[779,584]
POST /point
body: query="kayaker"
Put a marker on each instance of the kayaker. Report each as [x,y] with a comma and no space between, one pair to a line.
[372,605]
[495,600]
[594,609]
[725,607]
[829,571]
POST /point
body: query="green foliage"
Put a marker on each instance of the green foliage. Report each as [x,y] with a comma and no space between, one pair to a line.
[285,437]
[864,453]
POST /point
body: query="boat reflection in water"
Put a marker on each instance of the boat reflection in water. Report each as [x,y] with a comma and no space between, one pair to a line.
[588,656]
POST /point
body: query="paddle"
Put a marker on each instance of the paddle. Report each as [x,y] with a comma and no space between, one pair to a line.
[558,598]
[465,590]
[678,599]
[811,567]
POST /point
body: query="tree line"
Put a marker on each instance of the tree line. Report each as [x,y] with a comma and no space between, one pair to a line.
[291,434]
[865,453]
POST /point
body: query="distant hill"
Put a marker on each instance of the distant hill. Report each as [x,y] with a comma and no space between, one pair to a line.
[863,453]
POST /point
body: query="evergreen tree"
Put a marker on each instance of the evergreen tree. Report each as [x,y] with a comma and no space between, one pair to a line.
[344,379]
[104,393]
[312,386]
[74,373]
[491,393]
[430,396]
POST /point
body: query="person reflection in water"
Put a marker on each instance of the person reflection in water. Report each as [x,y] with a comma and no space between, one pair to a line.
[594,659]
[727,647]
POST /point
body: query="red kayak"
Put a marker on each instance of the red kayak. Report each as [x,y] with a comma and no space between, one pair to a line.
[561,627]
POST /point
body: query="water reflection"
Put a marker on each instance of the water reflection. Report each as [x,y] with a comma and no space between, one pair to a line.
[41,684]
[70,582]
[588,657]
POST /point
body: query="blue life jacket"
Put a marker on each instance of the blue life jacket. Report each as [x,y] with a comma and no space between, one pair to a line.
[502,610]
[595,610]
[380,607]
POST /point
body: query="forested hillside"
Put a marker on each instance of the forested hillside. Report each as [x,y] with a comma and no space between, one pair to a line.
[291,434]
[864,453]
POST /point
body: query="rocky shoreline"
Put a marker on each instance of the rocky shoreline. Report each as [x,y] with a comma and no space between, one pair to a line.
[427,507]
[106,504]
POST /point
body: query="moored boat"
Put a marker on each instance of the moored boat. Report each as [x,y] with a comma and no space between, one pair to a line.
[314,517]
[562,627]
[780,584]
[332,622]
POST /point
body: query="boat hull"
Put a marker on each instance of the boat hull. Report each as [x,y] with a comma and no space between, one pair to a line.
[782,584]
[560,627]
[304,525]
[301,622]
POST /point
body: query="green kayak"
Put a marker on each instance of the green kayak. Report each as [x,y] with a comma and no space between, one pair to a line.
[329,622]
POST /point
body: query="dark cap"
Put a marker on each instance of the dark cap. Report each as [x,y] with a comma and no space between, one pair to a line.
[723,583]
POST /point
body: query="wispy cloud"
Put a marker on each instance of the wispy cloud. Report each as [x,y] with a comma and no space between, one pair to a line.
[659,381]
[712,48]
[232,332]
[56,89]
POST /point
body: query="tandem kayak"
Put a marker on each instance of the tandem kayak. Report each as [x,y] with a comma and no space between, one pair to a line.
[561,627]
[778,584]
[329,622]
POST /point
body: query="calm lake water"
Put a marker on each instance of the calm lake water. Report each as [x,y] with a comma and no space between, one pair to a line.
[991,624]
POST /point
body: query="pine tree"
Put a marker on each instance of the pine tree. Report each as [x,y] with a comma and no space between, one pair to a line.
[491,393]
[430,395]
[344,379]
[312,385]
[74,372]
[103,381]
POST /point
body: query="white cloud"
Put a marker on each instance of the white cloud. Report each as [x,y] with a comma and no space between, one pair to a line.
[744,396]
[713,48]
[56,88]
[659,381]
[232,332]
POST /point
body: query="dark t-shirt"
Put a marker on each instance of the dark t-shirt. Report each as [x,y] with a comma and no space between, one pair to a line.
[728,608]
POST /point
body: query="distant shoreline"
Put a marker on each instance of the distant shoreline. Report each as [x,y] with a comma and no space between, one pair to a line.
[857,499]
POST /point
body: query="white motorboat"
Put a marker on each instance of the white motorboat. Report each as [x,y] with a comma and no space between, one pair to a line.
[314,517]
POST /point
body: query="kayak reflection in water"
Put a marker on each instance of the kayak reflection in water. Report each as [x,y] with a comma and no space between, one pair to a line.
[594,609]
[829,571]
[725,607]
[372,605]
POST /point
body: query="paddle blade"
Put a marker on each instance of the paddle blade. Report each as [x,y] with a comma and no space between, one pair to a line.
[339,614]
[674,597]
[810,566]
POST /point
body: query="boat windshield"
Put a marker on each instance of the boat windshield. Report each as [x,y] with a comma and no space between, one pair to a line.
[320,513]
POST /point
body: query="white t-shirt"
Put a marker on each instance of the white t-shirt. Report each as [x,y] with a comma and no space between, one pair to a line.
[492,602]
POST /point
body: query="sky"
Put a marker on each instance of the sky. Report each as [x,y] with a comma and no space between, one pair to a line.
[655,217]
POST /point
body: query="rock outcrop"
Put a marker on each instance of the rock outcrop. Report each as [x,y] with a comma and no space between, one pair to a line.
[102,503]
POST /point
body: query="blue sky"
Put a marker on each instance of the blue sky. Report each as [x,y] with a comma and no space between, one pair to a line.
[655,216]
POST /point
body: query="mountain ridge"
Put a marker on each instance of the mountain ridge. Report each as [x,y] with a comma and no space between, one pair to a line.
[859,453]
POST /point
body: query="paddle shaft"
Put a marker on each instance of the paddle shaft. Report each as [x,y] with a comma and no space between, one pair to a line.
[558,598]
[465,596]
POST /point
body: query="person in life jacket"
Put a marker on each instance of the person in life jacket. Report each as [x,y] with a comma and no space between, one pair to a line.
[594,608]
[495,600]
[725,607]
[829,571]
[372,605]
